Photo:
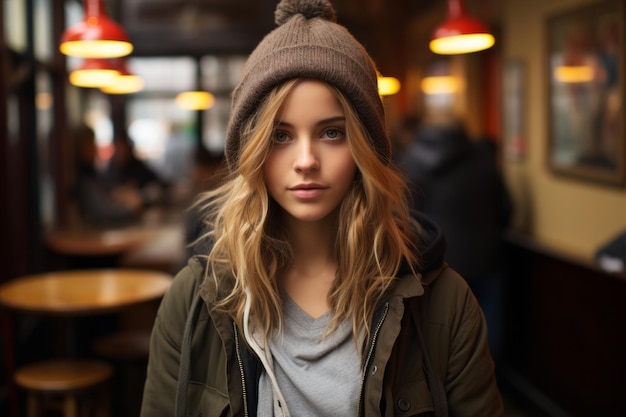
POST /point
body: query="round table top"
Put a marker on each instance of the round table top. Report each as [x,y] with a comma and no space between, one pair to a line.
[83,291]
[95,242]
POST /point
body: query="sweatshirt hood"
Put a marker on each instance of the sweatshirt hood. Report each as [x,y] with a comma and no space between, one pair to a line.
[432,245]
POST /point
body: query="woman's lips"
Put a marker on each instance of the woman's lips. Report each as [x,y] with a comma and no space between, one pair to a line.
[307,191]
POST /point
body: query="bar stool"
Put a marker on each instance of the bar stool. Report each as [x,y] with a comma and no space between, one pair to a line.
[73,294]
[76,387]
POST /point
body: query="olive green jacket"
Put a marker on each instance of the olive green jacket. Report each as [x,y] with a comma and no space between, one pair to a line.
[428,354]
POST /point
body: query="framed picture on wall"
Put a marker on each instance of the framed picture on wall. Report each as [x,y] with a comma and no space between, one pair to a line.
[586,93]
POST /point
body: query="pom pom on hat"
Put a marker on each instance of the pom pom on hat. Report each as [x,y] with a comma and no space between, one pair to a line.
[308,43]
[286,9]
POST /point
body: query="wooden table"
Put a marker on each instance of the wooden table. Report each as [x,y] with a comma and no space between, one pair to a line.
[94,242]
[74,293]
[155,243]
[83,291]
[93,248]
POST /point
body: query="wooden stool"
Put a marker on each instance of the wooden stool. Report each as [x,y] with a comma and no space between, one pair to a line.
[81,385]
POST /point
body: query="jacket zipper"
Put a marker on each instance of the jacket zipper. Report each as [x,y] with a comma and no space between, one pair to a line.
[243,378]
[369,356]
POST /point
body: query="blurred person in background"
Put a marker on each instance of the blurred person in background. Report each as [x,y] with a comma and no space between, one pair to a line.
[125,172]
[456,181]
[98,203]
[177,159]
[402,136]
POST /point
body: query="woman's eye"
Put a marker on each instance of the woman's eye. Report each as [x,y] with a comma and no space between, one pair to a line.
[333,134]
[280,137]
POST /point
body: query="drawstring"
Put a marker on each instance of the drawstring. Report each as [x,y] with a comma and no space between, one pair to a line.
[184,373]
[280,405]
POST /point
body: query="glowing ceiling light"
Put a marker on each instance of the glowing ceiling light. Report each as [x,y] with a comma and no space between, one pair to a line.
[93,73]
[574,73]
[442,84]
[195,100]
[96,36]
[388,86]
[459,33]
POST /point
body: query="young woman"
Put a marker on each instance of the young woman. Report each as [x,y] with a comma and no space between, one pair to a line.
[315,293]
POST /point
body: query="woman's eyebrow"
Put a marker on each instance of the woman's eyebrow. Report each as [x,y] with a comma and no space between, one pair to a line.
[318,123]
[331,120]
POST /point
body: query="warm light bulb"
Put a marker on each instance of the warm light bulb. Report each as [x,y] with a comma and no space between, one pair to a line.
[124,84]
[462,44]
[445,84]
[93,78]
[195,100]
[388,86]
[96,48]
[574,73]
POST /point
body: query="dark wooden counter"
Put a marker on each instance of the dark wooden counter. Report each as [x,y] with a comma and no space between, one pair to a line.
[566,332]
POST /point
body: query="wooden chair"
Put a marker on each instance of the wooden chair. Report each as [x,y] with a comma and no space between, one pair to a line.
[78,388]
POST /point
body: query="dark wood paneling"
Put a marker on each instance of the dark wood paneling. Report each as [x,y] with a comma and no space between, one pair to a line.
[566,329]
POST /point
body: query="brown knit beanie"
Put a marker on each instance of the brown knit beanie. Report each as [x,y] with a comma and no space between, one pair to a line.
[308,43]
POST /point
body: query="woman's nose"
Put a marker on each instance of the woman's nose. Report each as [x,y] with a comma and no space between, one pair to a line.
[306,158]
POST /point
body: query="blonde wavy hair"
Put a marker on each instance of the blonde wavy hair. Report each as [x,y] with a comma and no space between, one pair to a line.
[248,244]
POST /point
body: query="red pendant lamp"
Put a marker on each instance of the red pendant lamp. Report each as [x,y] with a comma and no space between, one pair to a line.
[460,33]
[96,36]
[94,73]
[125,82]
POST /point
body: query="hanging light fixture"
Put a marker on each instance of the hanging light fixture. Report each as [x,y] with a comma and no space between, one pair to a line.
[96,36]
[439,79]
[459,33]
[388,86]
[195,100]
[439,84]
[94,73]
[124,82]
[574,73]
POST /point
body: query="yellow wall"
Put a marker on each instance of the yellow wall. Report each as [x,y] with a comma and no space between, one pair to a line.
[569,214]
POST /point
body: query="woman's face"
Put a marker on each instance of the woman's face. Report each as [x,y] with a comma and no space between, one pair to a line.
[310,167]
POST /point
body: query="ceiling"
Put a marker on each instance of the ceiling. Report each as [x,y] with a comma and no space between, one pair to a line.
[393,31]
[196,27]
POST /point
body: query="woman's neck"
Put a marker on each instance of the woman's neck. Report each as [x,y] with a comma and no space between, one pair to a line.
[311,275]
